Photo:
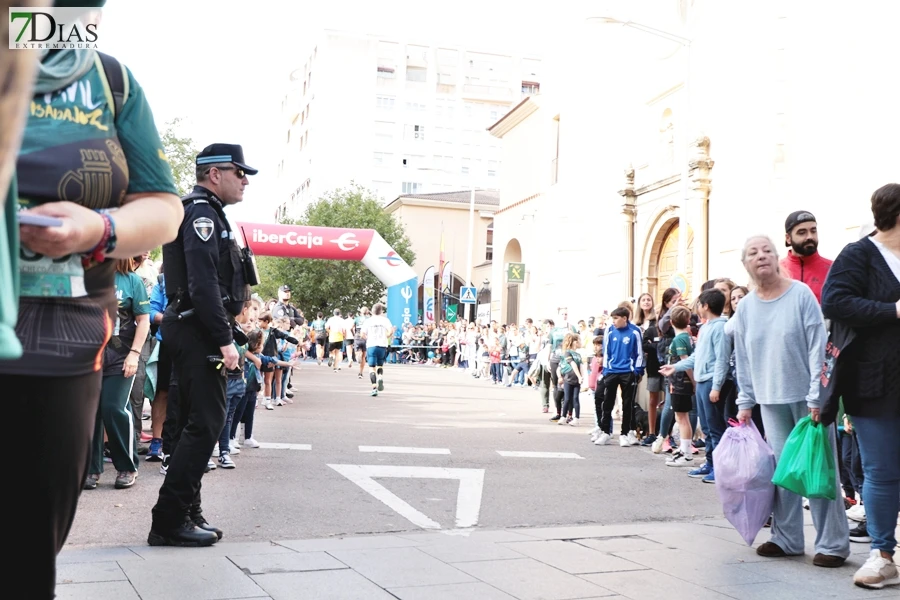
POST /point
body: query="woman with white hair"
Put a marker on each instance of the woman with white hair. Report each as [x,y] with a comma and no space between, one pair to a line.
[779,337]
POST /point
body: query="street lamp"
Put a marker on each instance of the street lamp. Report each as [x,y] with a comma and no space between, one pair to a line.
[471,231]
[685,167]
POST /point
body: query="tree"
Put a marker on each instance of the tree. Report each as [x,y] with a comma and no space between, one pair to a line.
[181,153]
[322,285]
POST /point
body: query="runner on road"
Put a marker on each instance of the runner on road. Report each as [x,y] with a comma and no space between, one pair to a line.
[359,342]
[318,327]
[377,331]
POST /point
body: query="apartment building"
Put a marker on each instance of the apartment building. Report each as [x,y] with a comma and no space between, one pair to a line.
[395,116]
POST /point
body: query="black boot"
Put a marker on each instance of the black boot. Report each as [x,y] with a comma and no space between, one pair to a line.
[187,535]
[201,522]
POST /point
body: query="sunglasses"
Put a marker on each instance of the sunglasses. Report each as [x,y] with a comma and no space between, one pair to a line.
[237,170]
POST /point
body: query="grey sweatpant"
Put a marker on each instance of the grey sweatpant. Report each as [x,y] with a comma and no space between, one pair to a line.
[829,517]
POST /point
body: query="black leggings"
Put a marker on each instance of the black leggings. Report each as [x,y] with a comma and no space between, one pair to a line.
[53,423]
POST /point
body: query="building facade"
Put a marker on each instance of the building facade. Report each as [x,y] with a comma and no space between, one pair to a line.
[430,218]
[395,116]
[653,171]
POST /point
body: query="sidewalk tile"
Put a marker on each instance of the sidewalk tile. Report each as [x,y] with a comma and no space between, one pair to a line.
[710,548]
[620,544]
[528,579]
[801,572]
[468,550]
[400,567]
[690,567]
[348,543]
[213,578]
[217,549]
[651,584]
[89,555]
[286,563]
[495,536]
[320,585]
[573,558]
[109,590]
[780,589]
[481,591]
[598,531]
[89,572]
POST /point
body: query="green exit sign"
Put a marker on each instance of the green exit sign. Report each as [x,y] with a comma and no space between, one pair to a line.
[515,273]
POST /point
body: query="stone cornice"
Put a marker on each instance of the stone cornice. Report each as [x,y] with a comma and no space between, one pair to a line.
[514,117]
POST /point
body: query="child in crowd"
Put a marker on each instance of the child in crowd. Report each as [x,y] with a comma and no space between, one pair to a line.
[681,386]
[571,373]
[496,367]
[596,384]
[623,366]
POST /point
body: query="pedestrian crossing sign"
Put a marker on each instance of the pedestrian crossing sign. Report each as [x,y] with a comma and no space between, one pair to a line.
[467,295]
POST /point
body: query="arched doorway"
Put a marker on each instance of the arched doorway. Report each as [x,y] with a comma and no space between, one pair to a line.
[512,253]
[664,263]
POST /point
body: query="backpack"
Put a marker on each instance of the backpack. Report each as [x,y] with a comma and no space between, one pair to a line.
[117,80]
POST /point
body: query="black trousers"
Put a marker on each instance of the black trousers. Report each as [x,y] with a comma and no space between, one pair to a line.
[555,387]
[612,382]
[52,421]
[200,419]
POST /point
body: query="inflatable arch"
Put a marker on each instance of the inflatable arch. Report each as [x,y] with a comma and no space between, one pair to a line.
[337,243]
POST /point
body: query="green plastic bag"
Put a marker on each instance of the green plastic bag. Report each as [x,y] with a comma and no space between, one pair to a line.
[806,466]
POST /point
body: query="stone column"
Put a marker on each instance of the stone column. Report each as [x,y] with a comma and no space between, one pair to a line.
[629,212]
[699,187]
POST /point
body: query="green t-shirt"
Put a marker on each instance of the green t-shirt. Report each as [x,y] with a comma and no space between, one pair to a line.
[131,299]
[319,327]
[358,321]
[75,149]
[569,363]
[557,335]
[681,346]
[10,347]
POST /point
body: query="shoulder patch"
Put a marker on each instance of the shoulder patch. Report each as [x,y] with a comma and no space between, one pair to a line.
[204,228]
[201,201]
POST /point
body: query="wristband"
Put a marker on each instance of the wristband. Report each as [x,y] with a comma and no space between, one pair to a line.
[138,352]
[107,243]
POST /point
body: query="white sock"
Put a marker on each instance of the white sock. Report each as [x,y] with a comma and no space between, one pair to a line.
[686,448]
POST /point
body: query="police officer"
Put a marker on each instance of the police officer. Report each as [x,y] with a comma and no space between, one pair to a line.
[284,308]
[207,278]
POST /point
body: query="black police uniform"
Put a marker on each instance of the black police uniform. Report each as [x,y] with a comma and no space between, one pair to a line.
[207,286]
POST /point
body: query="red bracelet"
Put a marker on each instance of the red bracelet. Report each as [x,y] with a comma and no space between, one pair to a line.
[97,254]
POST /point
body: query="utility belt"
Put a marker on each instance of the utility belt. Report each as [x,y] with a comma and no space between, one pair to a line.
[172,311]
[191,312]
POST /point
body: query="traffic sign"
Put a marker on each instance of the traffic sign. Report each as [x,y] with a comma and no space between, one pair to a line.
[467,295]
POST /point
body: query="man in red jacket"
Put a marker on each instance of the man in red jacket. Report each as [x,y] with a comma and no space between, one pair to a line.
[803,261]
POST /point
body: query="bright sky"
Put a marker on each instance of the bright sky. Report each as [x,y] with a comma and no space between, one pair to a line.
[223,66]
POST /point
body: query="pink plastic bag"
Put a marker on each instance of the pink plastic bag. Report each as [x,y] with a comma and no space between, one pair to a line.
[744,467]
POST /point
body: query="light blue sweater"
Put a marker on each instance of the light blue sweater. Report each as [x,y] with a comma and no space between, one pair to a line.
[710,358]
[779,348]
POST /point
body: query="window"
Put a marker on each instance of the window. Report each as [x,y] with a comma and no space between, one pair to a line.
[386,72]
[384,189]
[384,131]
[530,87]
[417,74]
[415,106]
[414,132]
[489,247]
[464,170]
[384,102]
[494,114]
[410,187]
[382,159]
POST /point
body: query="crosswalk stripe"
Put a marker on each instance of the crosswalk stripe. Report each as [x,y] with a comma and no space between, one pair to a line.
[403,450]
[280,446]
[517,454]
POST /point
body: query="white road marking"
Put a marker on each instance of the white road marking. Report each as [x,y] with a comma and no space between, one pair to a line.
[280,446]
[468,499]
[403,450]
[517,454]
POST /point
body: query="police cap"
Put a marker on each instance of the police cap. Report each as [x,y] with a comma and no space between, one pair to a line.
[225,153]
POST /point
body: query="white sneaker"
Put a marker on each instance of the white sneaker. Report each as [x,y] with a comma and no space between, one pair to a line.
[877,572]
[233,450]
[574,422]
[225,461]
[233,444]
[658,444]
[680,460]
[595,437]
[280,402]
[632,439]
[603,439]
[562,421]
[857,513]
[623,441]
[269,406]
[594,432]
[251,443]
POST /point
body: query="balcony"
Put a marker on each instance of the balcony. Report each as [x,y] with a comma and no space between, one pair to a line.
[554,171]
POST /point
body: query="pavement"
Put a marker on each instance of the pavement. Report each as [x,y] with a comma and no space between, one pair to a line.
[441,487]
